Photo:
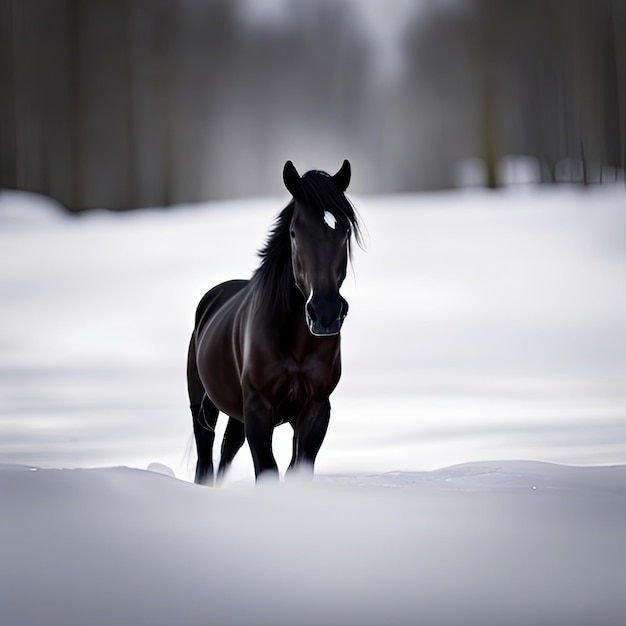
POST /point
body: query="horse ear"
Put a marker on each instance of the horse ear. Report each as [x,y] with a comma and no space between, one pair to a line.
[342,177]
[291,178]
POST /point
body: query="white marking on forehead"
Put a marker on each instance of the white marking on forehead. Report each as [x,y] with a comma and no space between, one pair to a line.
[330,219]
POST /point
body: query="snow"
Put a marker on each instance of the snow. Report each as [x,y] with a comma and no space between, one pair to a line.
[475,467]
[469,545]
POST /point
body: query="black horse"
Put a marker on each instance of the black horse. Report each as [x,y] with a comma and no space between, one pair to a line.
[266,351]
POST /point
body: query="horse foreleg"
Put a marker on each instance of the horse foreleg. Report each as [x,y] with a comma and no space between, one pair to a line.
[259,428]
[234,436]
[309,431]
[204,420]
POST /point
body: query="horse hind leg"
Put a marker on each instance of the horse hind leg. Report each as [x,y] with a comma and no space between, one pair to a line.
[204,416]
[234,436]
[204,420]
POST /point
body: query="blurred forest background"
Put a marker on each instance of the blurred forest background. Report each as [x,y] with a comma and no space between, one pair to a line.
[130,103]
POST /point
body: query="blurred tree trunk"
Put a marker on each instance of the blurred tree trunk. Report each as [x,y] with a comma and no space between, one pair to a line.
[75,104]
[8,130]
[612,126]
[165,33]
[128,73]
[490,132]
[618,65]
[489,92]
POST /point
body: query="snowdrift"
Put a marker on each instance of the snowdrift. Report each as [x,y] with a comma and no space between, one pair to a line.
[494,543]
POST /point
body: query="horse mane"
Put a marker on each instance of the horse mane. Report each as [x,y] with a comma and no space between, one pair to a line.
[274,276]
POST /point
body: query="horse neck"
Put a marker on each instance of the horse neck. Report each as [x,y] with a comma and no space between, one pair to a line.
[275,294]
[291,311]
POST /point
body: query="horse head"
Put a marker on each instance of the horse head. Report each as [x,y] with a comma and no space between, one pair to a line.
[320,230]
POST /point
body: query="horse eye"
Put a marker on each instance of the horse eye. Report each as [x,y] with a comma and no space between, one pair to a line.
[293,234]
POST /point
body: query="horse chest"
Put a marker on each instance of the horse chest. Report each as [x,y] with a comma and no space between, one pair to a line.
[304,377]
[300,379]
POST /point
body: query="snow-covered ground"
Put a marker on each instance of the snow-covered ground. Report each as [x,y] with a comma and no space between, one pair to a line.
[483,544]
[484,355]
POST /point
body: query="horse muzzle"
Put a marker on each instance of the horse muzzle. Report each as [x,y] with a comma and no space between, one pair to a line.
[325,317]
